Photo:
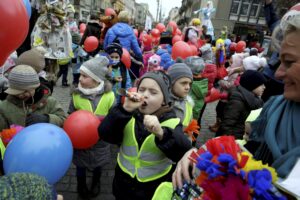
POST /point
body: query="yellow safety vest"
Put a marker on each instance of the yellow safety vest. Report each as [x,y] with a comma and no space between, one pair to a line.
[188,114]
[163,192]
[147,163]
[103,106]
[2,148]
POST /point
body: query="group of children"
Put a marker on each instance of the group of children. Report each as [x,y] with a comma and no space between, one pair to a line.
[148,125]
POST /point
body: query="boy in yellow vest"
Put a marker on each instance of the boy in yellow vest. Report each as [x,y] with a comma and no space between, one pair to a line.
[94,94]
[150,136]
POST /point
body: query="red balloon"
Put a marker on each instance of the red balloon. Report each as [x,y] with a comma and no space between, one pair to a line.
[136,33]
[110,12]
[126,60]
[176,38]
[155,33]
[82,27]
[155,40]
[174,27]
[160,27]
[91,43]
[240,46]
[82,128]
[181,49]
[14,25]
[232,47]
[147,40]
[194,50]
[178,32]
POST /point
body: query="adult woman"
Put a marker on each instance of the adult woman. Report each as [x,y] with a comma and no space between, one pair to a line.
[277,128]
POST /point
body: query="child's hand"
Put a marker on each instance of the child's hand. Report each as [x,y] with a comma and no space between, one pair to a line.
[133,101]
[152,125]
[118,79]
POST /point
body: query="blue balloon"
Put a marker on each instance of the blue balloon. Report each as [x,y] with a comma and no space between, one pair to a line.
[28,7]
[227,42]
[44,149]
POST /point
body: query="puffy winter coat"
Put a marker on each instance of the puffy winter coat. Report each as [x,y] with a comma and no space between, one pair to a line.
[124,33]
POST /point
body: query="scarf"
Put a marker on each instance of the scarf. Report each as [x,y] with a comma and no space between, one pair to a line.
[278,126]
[91,91]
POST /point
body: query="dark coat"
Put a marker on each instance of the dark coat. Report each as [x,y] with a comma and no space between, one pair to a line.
[93,28]
[240,103]
[174,144]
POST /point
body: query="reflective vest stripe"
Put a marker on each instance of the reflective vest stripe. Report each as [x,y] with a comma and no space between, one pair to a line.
[188,114]
[149,163]
[2,148]
[103,106]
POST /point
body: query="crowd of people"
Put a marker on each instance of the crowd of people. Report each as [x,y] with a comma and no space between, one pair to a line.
[155,121]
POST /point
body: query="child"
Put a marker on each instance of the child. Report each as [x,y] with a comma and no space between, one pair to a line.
[181,78]
[27,103]
[120,75]
[93,94]
[154,63]
[150,135]
[147,53]
[79,56]
[242,99]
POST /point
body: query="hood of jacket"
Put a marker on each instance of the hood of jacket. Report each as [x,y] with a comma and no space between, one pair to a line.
[122,29]
[242,94]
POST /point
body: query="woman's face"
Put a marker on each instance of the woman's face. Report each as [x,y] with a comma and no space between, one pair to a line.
[289,69]
[153,96]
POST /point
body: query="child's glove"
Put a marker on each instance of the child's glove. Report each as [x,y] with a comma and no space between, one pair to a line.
[36,118]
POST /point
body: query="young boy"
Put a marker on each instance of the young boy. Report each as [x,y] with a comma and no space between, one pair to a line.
[120,75]
[181,78]
[93,94]
[242,99]
[150,138]
[27,103]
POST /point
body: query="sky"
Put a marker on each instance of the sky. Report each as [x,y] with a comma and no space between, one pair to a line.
[167,5]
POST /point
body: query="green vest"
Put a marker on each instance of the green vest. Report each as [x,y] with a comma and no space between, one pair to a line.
[147,163]
[163,192]
[2,148]
[103,106]
[188,114]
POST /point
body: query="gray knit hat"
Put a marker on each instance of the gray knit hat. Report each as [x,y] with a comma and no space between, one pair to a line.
[195,63]
[179,70]
[25,186]
[163,80]
[22,78]
[33,58]
[96,68]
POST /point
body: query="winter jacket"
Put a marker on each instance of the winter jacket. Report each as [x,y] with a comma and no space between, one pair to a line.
[14,110]
[198,92]
[93,28]
[124,33]
[240,103]
[180,109]
[254,63]
[99,154]
[174,144]
[125,83]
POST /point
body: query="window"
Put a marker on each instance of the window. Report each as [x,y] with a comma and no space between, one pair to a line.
[235,7]
[253,10]
[245,8]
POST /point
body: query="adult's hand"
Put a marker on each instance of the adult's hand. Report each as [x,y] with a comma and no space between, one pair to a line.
[182,171]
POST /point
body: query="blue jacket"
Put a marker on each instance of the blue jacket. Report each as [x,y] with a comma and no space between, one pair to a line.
[124,33]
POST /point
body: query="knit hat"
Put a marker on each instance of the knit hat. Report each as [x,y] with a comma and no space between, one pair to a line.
[123,16]
[25,186]
[33,58]
[22,78]
[195,63]
[179,70]
[96,68]
[163,80]
[251,79]
[114,48]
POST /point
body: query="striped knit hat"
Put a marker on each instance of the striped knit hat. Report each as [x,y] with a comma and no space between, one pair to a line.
[22,78]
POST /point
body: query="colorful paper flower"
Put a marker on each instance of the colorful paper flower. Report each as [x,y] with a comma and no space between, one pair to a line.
[7,134]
